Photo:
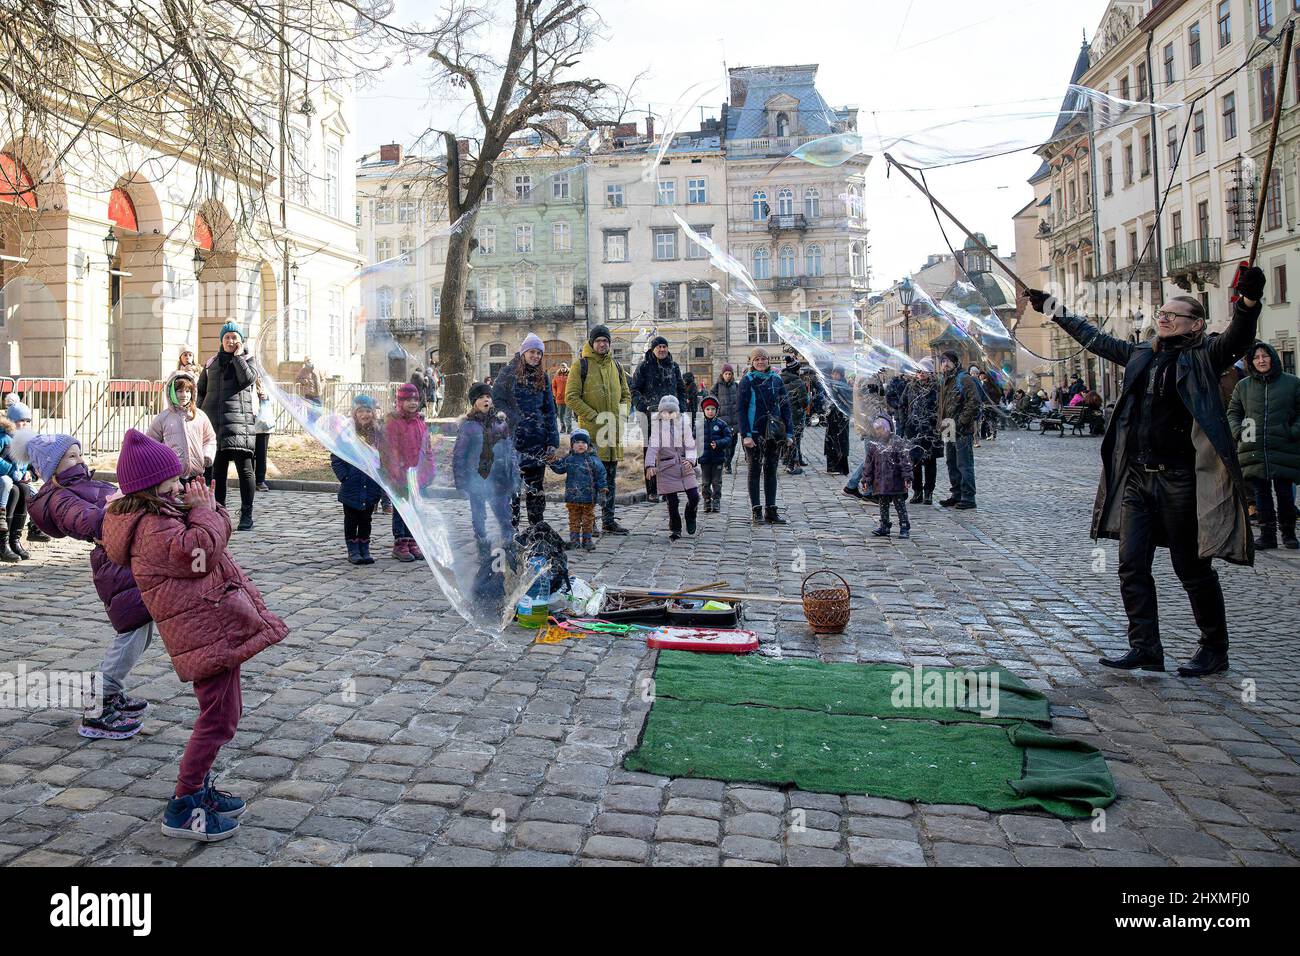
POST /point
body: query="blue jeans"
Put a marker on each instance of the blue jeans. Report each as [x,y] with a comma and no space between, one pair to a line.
[960,456]
[855,479]
[479,504]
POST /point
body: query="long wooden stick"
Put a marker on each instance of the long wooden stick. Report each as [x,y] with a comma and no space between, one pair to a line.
[1272,138]
[722,596]
[1020,283]
[645,599]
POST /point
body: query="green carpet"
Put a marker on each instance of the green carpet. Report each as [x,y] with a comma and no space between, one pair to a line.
[864,690]
[862,746]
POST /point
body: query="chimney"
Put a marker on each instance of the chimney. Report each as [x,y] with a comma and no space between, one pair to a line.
[390,153]
[650,127]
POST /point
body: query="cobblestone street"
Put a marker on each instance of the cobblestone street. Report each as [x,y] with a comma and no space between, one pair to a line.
[460,748]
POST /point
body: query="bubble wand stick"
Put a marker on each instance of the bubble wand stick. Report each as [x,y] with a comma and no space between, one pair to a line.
[1268,157]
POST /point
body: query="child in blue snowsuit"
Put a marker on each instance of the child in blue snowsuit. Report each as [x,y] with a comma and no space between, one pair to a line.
[584,483]
[484,465]
[715,451]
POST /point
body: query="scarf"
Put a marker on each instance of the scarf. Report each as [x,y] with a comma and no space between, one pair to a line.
[485,455]
[531,376]
[1178,343]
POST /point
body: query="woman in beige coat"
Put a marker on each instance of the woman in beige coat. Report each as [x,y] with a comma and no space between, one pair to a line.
[183,427]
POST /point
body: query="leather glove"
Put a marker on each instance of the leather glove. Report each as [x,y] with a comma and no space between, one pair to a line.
[1045,302]
[1250,284]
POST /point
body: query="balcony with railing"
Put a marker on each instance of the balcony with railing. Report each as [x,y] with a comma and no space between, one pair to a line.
[1195,255]
[785,223]
[549,313]
[784,283]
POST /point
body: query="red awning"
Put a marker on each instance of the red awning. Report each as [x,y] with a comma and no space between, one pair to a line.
[202,233]
[122,211]
[16,186]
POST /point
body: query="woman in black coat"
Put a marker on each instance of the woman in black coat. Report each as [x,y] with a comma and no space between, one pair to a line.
[839,407]
[227,395]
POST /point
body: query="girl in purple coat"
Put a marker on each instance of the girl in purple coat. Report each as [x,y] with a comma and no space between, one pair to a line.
[71,504]
[888,474]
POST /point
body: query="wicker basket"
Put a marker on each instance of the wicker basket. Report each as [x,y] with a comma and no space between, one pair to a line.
[827,609]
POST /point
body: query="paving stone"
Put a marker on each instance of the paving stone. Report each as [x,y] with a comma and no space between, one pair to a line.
[548,837]
[751,848]
[963,854]
[616,848]
[1036,831]
[687,830]
[872,851]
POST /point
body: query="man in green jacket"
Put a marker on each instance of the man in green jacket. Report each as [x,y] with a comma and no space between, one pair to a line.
[1264,415]
[598,394]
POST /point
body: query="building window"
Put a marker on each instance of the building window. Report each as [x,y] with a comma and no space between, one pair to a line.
[435,302]
[762,263]
[383,250]
[1265,16]
[408,303]
[667,194]
[1169,63]
[1225,23]
[665,244]
[1112,255]
[1124,87]
[701,297]
[782,125]
[404,249]
[336,323]
[812,261]
[1273,208]
[1176,228]
[332,181]
[299,168]
[857,260]
[697,191]
[1267,92]
[666,302]
[383,212]
[523,238]
[1194,46]
[561,237]
[817,322]
[1279,284]
[855,202]
[1171,144]
[693,249]
[487,240]
[1146,155]
[1198,132]
[560,186]
[523,187]
[616,246]
[616,304]
[406,211]
[358,214]
[1108,176]
[758,206]
[1230,116]
[785,261]
[614,196]
[1142,81]
[760,328]
[785,202]
[525,291]
[1132,247]
[1128,164]
[384,303]
[812,203]
[563,283]
[489,193]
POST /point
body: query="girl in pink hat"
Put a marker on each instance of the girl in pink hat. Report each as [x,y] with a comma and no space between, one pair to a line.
[209,614]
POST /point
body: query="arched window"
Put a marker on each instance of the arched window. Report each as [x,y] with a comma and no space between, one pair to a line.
[812,202]
[525,291]
[782,125]
[760,205]
[762,263]
[408,303]
[855,202]
[812,261]
[785,262]
[857,260]
[384,303]
[785,202]
[496,350]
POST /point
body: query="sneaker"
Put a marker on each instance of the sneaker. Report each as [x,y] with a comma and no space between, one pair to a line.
[572,544]
[218,801]
[188,819]
[263,486]
[794,471]
[881,531]
[904,532]
[130,706]
[109,725]
[708,507]
[414,551]
[653,499]
[401,551]
[245,523]
[852,492]
[588,544]
[1290,543]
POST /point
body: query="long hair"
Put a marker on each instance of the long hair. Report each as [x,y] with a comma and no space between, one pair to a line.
[533,376]
[148,501]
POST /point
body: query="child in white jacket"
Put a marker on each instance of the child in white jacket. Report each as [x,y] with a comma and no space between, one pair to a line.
[670,461]
[184,428]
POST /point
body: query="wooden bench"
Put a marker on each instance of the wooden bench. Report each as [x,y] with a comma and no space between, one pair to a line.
[1077,417]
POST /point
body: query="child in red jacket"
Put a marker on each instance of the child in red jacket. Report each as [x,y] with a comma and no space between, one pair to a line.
[209,614]
[405,445]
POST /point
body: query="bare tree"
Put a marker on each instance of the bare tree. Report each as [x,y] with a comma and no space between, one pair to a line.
[534,79]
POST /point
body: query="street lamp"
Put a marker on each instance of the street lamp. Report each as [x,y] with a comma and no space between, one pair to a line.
[198,262]
[906,293]
[110,246]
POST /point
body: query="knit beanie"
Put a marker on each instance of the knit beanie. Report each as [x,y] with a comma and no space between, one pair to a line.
[407,390]
[708,400]
[477,391]
[657,341]
[599,332]
[728,368]
[46,451]
[232,326]
[669,404]
[363,401]
[531,341]
[579,434]
[18,412]
[145,463]
[927,364]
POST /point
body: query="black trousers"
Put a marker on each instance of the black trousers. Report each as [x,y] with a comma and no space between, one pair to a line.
[795,450]
[674,515]
[16,509]
[1165,502]
[244,468]
[712,486]
[262,442]
[924,473]
[836,445]
[533,475]
[763,459]
[1270,520]
[356,522]
[607,506]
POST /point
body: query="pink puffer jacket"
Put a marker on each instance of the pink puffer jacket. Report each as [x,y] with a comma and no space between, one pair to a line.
[406,444]
[208,612]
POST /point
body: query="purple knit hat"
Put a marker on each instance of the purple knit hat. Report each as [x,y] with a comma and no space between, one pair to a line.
[145,463]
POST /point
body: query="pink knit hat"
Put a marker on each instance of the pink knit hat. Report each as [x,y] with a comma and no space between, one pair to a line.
[145,463]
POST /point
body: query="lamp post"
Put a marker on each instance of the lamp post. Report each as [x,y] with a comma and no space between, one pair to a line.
[110,246]
[906,294]
[198,262]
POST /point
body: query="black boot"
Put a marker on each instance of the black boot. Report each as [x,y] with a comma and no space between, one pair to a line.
[928,499]
[917,496]
[1267,539]
[354,551]
[1289,538]
[1206,661]
[882,530]
[708,506]
[245,521]
[758,514]
[904,532]
[690,520]
[774,517]
[1136,659]
[7,555]
[36,534]
[949,502]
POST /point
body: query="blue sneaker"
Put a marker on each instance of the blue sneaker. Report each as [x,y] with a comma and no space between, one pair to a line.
[188,819]
[227,804]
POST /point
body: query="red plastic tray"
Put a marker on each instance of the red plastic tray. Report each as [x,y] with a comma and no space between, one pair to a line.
[704,640]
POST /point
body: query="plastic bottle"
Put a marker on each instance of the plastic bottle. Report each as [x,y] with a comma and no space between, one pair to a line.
[534,607]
